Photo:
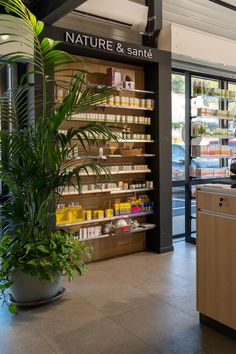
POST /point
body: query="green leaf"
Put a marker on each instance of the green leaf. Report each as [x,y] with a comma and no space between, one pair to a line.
[43,249]
[44,263]
[33,20]
[12,308]
[47,44]
[39,28]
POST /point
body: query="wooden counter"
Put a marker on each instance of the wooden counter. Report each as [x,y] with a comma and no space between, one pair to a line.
[216,257]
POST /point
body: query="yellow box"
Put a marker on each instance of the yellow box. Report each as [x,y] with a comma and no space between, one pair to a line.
[62,216]
[100,214]
[109,213]
[88,214]
[77,214]
[95,214]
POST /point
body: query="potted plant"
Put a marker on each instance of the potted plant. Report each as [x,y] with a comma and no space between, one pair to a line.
[36,161]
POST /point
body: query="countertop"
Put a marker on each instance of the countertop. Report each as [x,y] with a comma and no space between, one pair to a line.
[217,188]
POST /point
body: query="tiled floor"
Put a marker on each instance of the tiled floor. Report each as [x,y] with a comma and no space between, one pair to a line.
[138,304]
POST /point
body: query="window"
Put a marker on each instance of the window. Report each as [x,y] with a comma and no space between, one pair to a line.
[178,122]
[178,153]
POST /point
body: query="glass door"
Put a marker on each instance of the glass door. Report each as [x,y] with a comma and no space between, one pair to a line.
[203,141]
[178,154]
[204,130]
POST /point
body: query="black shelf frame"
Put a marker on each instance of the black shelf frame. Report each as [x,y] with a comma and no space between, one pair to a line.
[158,79]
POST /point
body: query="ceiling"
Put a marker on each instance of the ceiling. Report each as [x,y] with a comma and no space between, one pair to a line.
[204,15]
[230,2]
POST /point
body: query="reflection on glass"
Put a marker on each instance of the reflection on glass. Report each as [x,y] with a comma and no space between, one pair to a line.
[205,127]
[178,153]
[178,210]
[178,121]
[232,110]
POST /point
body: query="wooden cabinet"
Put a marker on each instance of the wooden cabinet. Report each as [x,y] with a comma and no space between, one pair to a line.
[217,202]
[216,257]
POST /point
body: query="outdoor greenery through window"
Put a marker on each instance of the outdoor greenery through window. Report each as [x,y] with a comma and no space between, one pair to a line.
[178,123]
[178,152]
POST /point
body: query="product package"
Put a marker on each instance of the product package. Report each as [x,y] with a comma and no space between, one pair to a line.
[114,77]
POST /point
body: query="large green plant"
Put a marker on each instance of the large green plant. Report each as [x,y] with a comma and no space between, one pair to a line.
[36,156]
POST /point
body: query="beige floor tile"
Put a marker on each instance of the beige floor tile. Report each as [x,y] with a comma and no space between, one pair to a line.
[183,302]
[185,249]
[35,349]
[184,267]
[137,304]
[92,338]
[110,294]
[167,329]
[133,347]
[66,315]
[17,339]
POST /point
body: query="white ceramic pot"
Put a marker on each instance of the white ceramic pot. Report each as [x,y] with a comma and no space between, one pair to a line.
[28,288]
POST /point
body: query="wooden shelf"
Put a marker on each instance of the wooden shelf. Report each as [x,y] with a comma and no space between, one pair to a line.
[132,190]
[213,117]
[125,107]
[135,141]
[214,136]
[215,157]
[142,155]
[116,173]
[122,140]
[122,89]
[110,157]
[111,191]
[106,122]
[139,229]
[134,90]
[95,221]
[219,97]
[207,179]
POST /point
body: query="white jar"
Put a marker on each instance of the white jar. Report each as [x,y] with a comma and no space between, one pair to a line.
[148,103]
[117,100]
[131,101]
[143,103]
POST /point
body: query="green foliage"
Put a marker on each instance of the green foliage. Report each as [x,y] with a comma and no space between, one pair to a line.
[177,125]
[37,157]
[178,84]
[58,252]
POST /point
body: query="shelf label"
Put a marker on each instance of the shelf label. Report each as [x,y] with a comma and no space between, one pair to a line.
[107,45]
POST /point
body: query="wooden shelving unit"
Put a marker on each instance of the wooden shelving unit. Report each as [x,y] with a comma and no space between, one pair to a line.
[112,218]
[110,191]
[125,107]
[124,234]
[90,199]
[152,78]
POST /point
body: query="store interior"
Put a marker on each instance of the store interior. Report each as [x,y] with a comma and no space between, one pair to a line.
[145,92]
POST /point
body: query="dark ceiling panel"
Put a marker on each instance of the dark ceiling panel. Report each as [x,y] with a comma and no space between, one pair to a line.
[224,4]
[51,11]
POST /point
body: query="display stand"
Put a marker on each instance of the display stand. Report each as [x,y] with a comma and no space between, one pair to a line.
[216,146]
[149,132]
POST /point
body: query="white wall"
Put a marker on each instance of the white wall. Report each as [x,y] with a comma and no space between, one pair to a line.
[203,15]
[198,47]
[100,28]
